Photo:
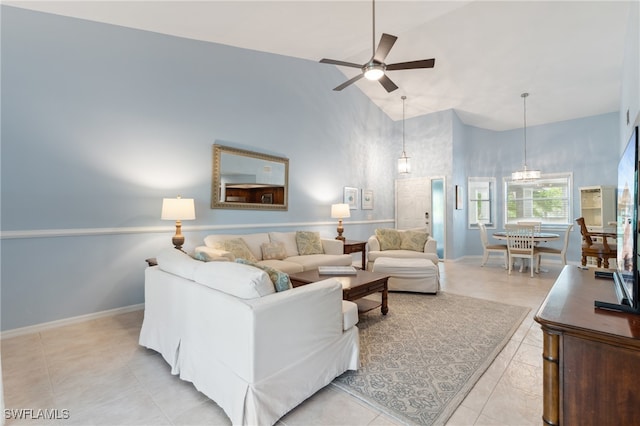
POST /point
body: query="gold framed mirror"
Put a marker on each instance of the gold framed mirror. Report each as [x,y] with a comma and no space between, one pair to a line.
[245,179]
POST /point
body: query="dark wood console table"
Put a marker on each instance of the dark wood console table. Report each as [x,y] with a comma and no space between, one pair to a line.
[591,357]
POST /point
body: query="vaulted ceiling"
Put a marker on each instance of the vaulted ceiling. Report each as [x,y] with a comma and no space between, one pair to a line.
[567,54]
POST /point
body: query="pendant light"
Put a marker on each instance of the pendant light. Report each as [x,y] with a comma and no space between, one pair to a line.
[525,174]
[404,166]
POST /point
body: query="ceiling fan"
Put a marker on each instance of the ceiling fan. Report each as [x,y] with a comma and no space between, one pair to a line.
[375,68]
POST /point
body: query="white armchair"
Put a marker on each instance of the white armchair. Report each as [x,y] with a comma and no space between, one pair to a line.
[375,250]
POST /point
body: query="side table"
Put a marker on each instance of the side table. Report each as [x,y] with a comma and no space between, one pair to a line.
[351,246]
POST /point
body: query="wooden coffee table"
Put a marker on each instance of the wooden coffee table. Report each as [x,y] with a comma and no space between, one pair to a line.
[354,287]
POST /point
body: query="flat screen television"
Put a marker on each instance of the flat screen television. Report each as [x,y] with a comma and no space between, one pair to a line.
[626,275]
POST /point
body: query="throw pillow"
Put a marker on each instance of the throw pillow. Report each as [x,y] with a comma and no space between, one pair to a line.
[286,238]
[208,257]
[238,248]
[413,240]
[389,239]
[308,243]
[279,279]
[273,251]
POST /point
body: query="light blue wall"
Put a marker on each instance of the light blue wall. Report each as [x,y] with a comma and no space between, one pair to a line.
[586,147]
[99,123]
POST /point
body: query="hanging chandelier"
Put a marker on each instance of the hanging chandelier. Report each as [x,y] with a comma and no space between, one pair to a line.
[404,166]
[525,174]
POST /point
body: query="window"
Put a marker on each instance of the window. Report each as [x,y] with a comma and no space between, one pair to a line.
[481,201]
[547,199]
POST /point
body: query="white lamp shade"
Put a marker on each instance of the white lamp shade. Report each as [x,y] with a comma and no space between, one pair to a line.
[178,209]
[340,211]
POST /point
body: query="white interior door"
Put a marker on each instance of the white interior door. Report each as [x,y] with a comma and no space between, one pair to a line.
[413,203]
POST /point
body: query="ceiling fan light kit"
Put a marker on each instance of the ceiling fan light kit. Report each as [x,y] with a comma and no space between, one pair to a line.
[525,174]
[375,68]
[373,71]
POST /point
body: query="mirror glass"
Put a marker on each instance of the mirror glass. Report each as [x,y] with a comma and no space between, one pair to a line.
[248,180]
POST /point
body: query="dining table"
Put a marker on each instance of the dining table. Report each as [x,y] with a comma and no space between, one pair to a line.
[538,237]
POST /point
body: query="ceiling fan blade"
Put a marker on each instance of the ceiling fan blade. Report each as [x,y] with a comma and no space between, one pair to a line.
[385,45]
[387,83]
[343,63]
[424,63]
[349,82]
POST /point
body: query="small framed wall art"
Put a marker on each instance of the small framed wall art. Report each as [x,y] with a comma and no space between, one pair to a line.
[367,199]
[351,197]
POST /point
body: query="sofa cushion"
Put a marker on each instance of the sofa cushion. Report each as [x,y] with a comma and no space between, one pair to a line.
[243,281]
[389,238]
[177,262]
[413,240]
[288,239]
[279,279]
[349,314]
[237,247]
[287,266]
[273,251]
[308,242]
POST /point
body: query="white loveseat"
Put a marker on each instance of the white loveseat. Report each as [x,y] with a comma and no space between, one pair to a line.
[256,353]
[375,250]
[290,262]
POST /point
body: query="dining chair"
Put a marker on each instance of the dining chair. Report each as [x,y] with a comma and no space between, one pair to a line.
[491,248]
[521,244]
[537,225]
[562,252]
[602,251]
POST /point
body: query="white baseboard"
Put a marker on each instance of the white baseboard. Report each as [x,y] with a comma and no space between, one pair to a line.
[67,321]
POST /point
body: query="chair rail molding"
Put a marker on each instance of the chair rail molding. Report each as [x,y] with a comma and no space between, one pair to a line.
[86,232]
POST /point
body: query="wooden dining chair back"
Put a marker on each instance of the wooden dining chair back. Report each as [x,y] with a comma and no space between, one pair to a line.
[521,244]
[491,248]
[600,249]
[561,252]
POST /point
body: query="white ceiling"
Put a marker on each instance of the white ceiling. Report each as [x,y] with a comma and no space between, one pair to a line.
[567,54]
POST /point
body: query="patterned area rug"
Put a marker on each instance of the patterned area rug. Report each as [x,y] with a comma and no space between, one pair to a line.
[420,360]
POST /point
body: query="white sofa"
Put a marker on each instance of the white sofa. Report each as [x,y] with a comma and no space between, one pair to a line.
[374,251]
[256,353]
[333,251]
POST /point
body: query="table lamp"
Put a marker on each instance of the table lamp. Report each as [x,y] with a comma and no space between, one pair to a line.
[178,209]
[340,211]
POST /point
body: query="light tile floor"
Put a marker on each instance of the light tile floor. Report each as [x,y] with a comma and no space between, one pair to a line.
[97,371]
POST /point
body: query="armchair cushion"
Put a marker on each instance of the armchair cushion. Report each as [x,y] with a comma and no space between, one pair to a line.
[389,239]
[413,240]
[308,243]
